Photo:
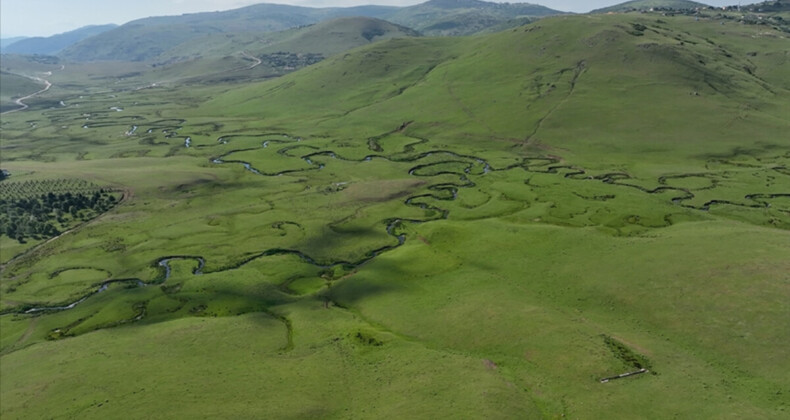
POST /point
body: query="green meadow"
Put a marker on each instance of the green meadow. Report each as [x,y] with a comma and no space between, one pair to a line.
[474,227]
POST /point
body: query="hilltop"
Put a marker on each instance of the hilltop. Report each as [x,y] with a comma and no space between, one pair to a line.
[463,17]
[652,4]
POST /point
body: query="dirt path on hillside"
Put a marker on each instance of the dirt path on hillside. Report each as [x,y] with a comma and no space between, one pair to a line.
[257,60]
[22,105]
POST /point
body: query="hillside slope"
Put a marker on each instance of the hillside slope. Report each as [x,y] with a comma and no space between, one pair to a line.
[571,81]
[690,114]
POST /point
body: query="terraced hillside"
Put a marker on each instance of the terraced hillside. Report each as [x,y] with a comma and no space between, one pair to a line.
[583,217]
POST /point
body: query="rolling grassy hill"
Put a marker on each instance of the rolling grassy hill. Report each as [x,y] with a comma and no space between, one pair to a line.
[54,44]
[335,36]
[667,74]
[482,227]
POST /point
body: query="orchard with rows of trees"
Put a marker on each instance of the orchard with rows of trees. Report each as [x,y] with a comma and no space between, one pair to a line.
[46,215]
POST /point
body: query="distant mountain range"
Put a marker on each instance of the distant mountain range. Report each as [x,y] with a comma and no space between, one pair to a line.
[54,44]
[145,39]
[158,39]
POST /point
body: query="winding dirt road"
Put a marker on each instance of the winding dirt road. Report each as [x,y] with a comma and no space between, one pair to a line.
[22,105]
[257,60]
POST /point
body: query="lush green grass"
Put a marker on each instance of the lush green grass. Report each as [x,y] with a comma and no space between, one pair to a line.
[572,98]
[543,308]
[330,373]
[473,227]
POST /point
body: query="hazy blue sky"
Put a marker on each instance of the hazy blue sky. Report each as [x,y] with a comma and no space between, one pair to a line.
[48,17]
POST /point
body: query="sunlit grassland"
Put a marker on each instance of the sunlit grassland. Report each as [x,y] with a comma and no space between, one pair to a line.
[420,228]
[556,290]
